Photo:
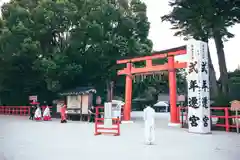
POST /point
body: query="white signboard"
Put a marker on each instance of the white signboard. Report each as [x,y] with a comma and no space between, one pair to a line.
[107,115]
[116,108]
[84,103]
[73,102]
[59,105]
[33,98]
[198,87]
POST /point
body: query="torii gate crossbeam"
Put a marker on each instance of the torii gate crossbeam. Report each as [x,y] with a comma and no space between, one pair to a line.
[171,66]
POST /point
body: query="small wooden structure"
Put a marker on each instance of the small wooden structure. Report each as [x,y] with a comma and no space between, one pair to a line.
[235,106]
[78,101]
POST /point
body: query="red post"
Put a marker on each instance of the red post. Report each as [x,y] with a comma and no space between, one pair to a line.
[128,94]
[227,119]
[24,111]
[13,110]
[118,127]
[20,111]
[96,121]
[173,91]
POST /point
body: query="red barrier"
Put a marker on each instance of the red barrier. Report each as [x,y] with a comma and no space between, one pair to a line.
[1,109]
[17,110]
[99,125]
[226,117]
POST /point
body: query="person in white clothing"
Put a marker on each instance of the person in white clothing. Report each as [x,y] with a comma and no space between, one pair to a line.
[38,114]
[46,114]
[149,119]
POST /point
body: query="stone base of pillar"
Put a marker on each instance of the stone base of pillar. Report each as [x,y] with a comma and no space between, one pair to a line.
[174,124]
[207,133]
[127,122]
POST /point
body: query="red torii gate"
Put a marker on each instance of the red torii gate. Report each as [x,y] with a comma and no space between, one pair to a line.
[171,66]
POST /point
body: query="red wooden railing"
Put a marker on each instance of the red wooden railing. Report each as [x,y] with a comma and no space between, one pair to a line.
[99,124]
[226,117]
[18,110]
[25,110]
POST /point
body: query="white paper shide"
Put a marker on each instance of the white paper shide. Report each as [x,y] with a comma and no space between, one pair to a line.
[198,87]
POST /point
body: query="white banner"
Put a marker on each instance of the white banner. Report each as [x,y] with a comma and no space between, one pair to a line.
[108,114]
[116,110]
[198,87]
[107,110]
[32,98]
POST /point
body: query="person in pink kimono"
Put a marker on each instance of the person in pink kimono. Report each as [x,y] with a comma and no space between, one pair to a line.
[63,113]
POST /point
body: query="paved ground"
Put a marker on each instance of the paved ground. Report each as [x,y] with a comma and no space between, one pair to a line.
[21,139]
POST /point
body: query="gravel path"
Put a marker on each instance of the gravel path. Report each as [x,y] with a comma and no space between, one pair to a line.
[22,139]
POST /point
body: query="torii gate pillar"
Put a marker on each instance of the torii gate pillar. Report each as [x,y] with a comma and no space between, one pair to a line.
[173,91]
[128,94]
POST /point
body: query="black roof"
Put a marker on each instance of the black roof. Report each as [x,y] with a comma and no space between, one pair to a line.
[79,91]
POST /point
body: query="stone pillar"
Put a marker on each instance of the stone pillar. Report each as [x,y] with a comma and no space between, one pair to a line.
[198,87]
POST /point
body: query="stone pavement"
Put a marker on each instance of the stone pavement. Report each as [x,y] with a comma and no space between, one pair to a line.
[22,139]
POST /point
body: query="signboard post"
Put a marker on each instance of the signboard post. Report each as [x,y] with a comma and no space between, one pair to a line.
[108,115]
[235,106]
[198,88]
[181,99]
[98,100]
[116,110]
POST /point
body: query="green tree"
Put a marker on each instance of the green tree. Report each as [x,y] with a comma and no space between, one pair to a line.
[48,45]
[234,84]
[32,45]
[111,30]
[204,20]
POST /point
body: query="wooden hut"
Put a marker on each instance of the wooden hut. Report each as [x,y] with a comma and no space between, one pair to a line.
[78,101]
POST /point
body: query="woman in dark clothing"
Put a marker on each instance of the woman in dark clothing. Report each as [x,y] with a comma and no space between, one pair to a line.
[92,113]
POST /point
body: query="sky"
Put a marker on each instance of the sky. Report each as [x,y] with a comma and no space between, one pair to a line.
[162,36]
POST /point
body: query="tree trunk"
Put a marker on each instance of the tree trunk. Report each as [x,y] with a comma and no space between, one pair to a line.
[221,62]
[212,78]
[108,90]
[110,86]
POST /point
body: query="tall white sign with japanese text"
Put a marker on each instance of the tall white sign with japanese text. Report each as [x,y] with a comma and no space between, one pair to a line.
[198,87]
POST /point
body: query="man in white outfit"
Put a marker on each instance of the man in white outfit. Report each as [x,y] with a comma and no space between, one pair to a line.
[149,119]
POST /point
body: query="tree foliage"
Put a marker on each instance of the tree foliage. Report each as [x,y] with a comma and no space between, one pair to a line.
[234,84]
[52,45]
[206,19]
[47,46]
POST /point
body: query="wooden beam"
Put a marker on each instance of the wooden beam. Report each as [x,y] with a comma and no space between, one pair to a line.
[155,56]
[156,68]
